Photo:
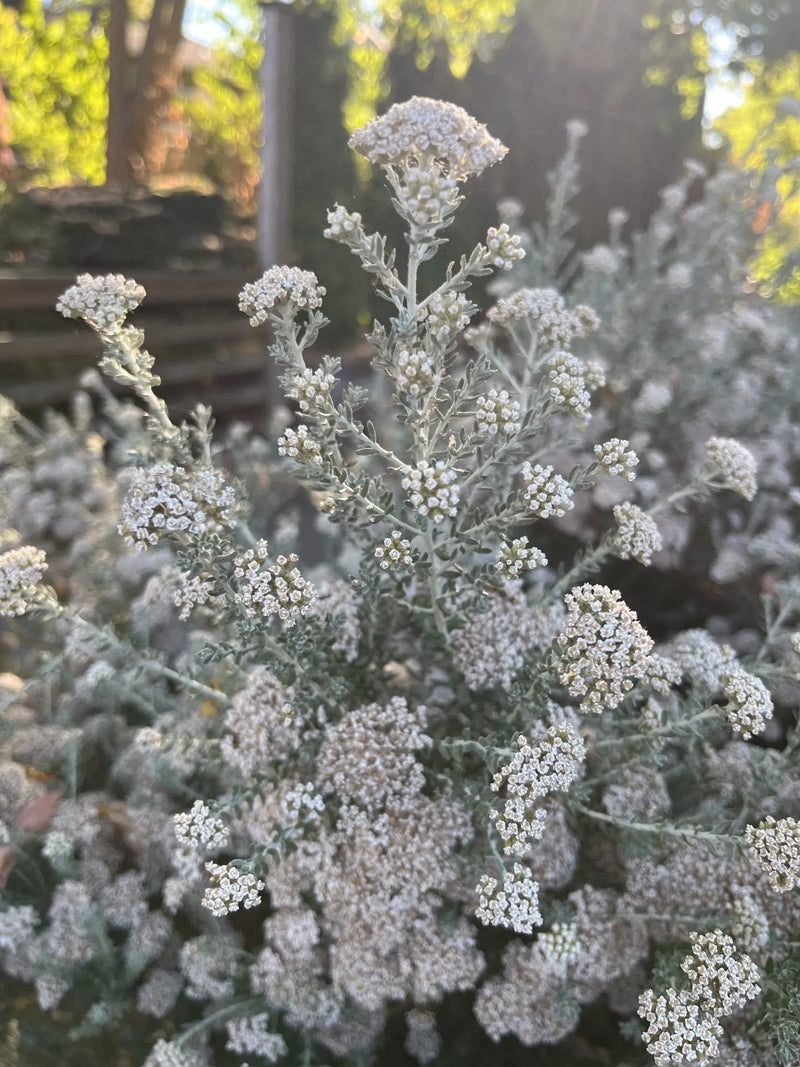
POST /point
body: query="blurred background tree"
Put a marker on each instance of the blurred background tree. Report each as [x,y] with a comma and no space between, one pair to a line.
[180,112]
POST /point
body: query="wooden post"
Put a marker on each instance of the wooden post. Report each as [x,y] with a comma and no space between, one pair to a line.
[277,86]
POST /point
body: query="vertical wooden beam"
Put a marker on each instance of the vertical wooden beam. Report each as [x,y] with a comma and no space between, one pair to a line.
[277,86]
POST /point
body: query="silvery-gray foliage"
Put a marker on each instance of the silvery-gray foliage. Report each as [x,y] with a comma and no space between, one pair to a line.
[256,808]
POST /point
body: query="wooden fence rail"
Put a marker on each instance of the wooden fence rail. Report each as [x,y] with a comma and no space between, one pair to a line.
[205,347]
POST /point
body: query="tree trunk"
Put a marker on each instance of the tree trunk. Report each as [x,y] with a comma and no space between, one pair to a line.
[156,82]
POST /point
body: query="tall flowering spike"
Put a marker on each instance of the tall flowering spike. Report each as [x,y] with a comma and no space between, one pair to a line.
[280,291]
[421,131]
[272,589]
[104,302]
[775,846]
[750,703]
[735,465]
[21,570]
[515,904]
[604,648]
[165,499]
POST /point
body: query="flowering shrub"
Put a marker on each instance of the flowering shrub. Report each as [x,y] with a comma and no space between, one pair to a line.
[255,807]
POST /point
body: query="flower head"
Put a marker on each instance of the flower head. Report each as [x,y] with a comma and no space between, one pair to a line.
[165,499]
[775,846]
[637,535]
[750,705]
[604,648]
[515,904]
[234,887]
[423,130]
[615,457]
[431,489]
[103,302]
[21,570]
[285,290]
[546,493]
[272,589]
[733,464]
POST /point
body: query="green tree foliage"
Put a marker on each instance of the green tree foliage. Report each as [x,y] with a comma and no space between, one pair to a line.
[222,107]
[763,131]
[53,70]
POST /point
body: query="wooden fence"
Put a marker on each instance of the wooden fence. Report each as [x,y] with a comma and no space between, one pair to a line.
[205,348]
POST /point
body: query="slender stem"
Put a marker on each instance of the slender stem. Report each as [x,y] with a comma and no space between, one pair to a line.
[659,731]
[684,832]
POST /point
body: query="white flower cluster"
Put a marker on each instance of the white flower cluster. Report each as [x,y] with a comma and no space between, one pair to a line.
[637,535]
[302,804]
[515,557]
[422,129]
[395,552]
[103,302]
[17,925]
[312,389]
[775,846]
[21,570]
[722,978]
[734,464]
[170,1054]
[343,225]
[198,828]
[750,703]
[253,1035]
[603,647]
[615,457]
[795,642]
[234,887]
[701,659]
[431,491]
[165,499]
[497,413]
[278,589]
[533,772]
[189,593]
[568,384]
[413,370]
[260,723]
[515,904]
[423,1042]
[684,1026]
[427,193]
[300,446]
[560,945]
[504,248]
[284,290]
[546,493]
[554,322]
[679,1030]
[448,314]
[553,764]
[492,648]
